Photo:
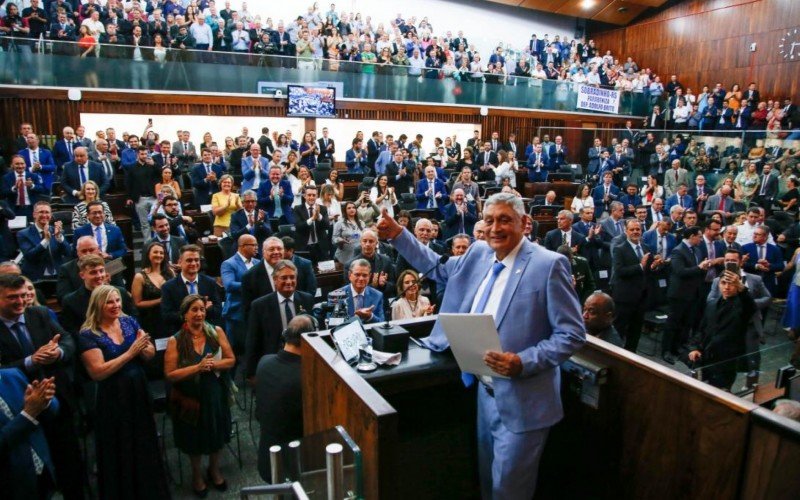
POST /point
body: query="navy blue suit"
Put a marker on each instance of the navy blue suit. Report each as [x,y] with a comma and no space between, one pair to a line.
[541,175]
[775,257]
[372,297]
[650,238]
[267,202]
[438,188]
[175,290]
[202,188]
[38,259]
[598,193]
[557,158]
[18,436]
[455,223]
[71,179]
[356,166]
[35,193]
[48,164]
[239,223]
[61,153]
[687,200]
[627,199]
[113,238]
[306,280]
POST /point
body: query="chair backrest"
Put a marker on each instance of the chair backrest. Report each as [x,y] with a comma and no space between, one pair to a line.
[286,230]
[66,220]
[321,173]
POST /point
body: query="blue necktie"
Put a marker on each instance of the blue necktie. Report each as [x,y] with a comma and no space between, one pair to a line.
[23,338]
[83,174]
[98,235]
[192,287]
[358,302]
[467,378]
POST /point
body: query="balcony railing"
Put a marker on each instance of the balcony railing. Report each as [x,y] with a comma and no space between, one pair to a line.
[69,64]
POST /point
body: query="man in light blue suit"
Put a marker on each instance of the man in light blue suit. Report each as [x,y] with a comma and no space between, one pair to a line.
[255,169]
[232,271]
[362,300]
[542,330]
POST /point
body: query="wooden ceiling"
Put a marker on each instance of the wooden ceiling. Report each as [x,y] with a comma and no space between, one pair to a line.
[619,12]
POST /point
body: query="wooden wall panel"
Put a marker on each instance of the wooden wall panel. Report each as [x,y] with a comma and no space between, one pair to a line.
[708,41]
[49,111]
[773,445]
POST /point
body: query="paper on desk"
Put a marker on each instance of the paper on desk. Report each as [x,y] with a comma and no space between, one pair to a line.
[470,336]
[205,208]
[386,358]
[18,222]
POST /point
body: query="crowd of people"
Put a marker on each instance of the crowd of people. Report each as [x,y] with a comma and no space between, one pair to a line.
[709,242]
[404,45]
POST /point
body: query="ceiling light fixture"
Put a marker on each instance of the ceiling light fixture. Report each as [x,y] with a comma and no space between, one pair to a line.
[588,4]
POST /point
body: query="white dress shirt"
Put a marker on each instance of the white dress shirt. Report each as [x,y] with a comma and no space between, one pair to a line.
[493,304]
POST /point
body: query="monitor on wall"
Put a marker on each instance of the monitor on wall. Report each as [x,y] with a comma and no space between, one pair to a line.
[314,102]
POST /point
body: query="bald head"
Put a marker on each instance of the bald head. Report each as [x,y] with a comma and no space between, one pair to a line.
[598,313]
[86,245]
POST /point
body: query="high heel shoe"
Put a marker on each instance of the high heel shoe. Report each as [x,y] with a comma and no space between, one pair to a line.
[223,486]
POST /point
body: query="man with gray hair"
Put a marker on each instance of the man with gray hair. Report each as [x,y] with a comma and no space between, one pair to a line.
[517,409]
[77,172]
[788,408]
[250,220]
[271,314]
[257,281]
[279,393]
[363,300]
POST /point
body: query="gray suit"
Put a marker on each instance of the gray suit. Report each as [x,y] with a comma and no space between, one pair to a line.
[712,205]
[755,331]
[671,185]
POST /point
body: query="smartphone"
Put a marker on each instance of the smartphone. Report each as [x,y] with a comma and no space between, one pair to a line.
[732,267]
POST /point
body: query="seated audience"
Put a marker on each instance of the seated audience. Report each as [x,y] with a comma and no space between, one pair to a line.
[363,300]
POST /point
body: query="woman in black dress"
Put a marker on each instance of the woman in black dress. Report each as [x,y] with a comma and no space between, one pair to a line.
[146,288]
[113,349]
[197,361]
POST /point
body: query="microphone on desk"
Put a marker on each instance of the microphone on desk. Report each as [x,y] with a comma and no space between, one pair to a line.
[441,261]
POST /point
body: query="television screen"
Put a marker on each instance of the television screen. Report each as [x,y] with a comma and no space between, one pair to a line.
[312,101]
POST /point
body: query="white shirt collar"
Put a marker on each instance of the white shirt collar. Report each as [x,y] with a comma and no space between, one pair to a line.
[508,262]
[353,291]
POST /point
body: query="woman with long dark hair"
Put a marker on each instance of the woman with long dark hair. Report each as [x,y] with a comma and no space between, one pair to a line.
[146,287]
[196,362]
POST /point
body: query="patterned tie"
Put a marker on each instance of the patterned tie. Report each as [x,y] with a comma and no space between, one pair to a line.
[38,463]
[639,253]
[763,185]
[35,155]
[21,192]
[358,302]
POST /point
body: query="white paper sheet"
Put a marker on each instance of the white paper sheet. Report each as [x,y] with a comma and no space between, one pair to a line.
[18,222]
[470,336]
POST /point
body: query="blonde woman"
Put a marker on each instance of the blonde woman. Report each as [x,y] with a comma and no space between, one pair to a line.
[223,204]
[89,192]
[196,363]
[410,304]
[114,351]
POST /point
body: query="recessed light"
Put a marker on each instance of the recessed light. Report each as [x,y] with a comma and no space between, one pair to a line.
[588,4]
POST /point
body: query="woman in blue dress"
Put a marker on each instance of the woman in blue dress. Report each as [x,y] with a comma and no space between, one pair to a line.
[197,361]
[309,151]
[114,350]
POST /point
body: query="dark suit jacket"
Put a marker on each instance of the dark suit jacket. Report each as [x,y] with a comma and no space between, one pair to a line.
[628,279]
[36,258]
[202,188]
[686,277]
[174,247]
[61,153]
[8,244]
[264,326]
[267,203]
[306,280]
[41,328]
[325,154]
[303,229]
[35,193]
[255,284]
[266,145]
[775,258]
[70,280]
[174,291]
[18,436]
[75,304]
[552,240]
[71,179]
[115,241]
[238,227]
[453,219]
